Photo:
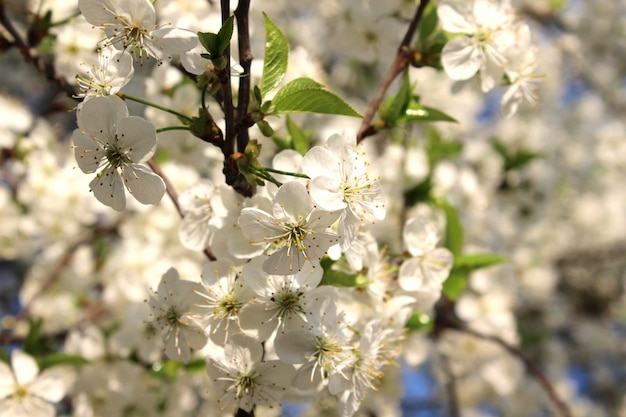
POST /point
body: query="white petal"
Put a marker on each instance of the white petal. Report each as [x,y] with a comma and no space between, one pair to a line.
[137,138]
[295,347]
[7,381]
[24,366]
[174,41]
[292,202]
[259,316]
[95,13]
[98,117]
[89,152]
[146,186]
[108,189]
[453,21]
[327,193]
[194,231]
[411,275]
[49,386]
[320,161]
[258,225]
[461,59]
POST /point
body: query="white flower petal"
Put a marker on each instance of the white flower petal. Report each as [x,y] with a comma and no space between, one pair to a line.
[146,186]
[7,381]
[327,193]
[461,59]
[321,161]
[50,386]
[452,20]
[174,41]
[292,202]
[24,366]
[88,151]
[137,138]
[108,188]
[98,118]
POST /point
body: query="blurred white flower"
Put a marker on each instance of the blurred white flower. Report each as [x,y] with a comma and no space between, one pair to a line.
[24,392]
[170,306]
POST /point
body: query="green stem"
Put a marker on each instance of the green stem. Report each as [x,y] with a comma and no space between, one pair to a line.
[168,128]
[278,171]
[64,21]
[263,174]
[156,106]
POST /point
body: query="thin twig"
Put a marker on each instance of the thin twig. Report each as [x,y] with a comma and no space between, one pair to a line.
[400,63]
[228,147]
[171,192]
[30,55]
[562,408]
[245,60]
[450,385]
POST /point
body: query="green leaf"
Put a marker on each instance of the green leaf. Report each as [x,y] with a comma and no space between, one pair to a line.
[225,34]
[439,149]
[454,229]
[396,106]
[216,43]
[210,42]
[455,285]
[195,365]
[416,112]
[420,321]
[303,95]
[419,193]
[469,263]
[428,23]
[276,54]
[300,141]
[56,359]
[339,278]
[32,343]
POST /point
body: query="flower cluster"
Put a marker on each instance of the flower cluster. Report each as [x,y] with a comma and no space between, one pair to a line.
[267,292]
[492,44]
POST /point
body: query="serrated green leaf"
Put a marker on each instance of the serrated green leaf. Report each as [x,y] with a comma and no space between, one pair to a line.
[56,359]
[416,112]
[282,143]
[300,141]
[275,58]
[469,263]
[454,229]
[210,42]
[454,285]
[304,95]
[338,278]
[225,34]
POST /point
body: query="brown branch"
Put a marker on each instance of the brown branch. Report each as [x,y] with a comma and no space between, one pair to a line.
[171,192]
[400,63]
[245,60]
[228,147]
[561,408]
[31,56]
[450,385]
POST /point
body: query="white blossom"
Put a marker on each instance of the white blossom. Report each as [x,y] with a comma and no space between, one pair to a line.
[24,392]
[111,141]
[131,25]
[295,232]
[114,70]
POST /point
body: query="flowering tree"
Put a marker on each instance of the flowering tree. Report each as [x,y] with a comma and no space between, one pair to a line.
[287,203]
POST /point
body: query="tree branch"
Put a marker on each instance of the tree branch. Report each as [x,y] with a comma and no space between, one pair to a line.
[245,60]
[31,56]
[400,63]
[171,192]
